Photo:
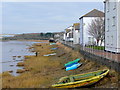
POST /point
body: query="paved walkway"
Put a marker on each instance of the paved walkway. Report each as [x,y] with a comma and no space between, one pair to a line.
[102,53]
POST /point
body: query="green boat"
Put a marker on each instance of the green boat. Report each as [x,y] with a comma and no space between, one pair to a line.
[80,80]
[72,62]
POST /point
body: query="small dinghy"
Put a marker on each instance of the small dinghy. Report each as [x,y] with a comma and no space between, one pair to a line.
[52,43]
[54,48]
[75,66]
[72,62]
[79,80]
[50,54]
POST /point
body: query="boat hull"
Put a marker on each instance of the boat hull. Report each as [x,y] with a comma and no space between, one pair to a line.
[80,84]
[52,43]
[75,66]
[85,81]
[71,62]
[54,48]
[50,54]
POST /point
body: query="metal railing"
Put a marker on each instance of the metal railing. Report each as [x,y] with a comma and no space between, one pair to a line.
[95,50]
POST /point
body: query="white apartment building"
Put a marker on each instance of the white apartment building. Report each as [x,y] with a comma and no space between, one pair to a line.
[112,26]
[76,33]
[68,35]
[85,38]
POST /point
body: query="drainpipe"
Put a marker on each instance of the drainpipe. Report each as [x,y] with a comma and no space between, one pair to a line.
[104,23]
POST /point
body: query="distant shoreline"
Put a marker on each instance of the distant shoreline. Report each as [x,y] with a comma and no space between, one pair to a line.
[27,40]
[35,40]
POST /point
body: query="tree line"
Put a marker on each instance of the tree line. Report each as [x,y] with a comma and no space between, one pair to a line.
[31,36]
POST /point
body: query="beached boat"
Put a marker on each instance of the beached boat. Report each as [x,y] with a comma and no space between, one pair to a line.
[54,48]
[72,62]
[74,66]
[50,54]
[52,43]
[51,40]
[79,80]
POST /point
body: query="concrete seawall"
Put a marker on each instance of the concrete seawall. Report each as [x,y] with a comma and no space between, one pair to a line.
[99,59]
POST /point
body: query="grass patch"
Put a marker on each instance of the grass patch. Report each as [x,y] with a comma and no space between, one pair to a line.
[42,72]
[20,64]
[20,70]
[96,47]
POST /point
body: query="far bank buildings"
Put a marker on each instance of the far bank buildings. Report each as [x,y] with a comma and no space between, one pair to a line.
[112,25]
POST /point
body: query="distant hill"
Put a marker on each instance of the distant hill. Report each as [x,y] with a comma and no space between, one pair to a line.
[31,36]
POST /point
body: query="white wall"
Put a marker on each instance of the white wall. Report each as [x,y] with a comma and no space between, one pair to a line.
[118,24]
[81,31]
[84,30]
[112,34]
[76,36]
[69,38]
[64,36]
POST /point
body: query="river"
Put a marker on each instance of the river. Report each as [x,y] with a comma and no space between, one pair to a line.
[14,52]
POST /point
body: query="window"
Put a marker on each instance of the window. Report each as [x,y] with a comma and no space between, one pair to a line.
[108,21]
[113,21]
[114,5]
[111,40]
[108,6]
[107,40]
[90,40]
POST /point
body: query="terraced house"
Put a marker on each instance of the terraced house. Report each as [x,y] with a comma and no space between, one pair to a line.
[68,35]
[76,33]
[85,38]
[112,25]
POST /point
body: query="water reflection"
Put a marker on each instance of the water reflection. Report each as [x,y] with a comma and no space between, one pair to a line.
[14,52]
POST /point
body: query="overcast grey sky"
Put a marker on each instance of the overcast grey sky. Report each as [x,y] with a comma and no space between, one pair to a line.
[36,17]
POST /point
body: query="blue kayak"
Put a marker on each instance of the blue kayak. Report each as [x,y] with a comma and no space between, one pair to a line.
[75,66]
[52,43]
[54,48]
[71,64]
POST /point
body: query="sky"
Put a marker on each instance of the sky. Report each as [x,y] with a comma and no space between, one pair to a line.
[37,17]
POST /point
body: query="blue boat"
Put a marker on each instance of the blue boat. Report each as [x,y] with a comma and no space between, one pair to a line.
[52,43]
[71,64]
[54,48]
[75,66]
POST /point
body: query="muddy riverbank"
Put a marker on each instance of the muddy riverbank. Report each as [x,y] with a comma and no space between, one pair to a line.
[13,52]
[42,72]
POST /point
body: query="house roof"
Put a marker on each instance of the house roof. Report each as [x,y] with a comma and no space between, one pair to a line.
[93,13]
[76,24]
[68,30]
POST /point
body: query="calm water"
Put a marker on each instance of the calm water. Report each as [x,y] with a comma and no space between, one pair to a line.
[10,52]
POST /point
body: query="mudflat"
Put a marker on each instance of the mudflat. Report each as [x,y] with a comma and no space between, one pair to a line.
[41,72]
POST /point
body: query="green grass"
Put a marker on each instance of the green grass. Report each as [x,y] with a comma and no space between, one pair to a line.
[96,47]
